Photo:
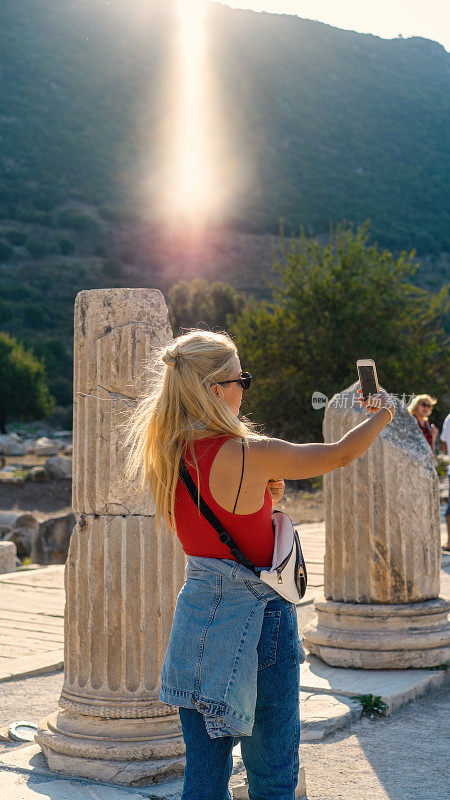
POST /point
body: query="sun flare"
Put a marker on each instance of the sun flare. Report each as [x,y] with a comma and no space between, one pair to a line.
[191,185]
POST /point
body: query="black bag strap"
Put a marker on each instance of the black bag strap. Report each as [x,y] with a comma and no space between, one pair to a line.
[242,475]
[209,515]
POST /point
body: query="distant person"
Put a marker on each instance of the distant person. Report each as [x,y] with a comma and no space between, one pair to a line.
[445,444]
[420,408]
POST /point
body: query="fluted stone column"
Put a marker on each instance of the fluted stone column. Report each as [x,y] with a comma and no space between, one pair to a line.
[382,558]
[122,577]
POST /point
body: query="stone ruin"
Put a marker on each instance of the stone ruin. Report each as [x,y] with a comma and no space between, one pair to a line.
[44,542]
[122,576]
[51,543]
[58,463]
[382,557]
[8,555]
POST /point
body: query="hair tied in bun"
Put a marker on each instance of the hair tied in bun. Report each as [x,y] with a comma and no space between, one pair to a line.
[171,358]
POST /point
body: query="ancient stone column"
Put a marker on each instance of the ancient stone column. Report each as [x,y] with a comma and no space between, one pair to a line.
[382,557]
[122,576]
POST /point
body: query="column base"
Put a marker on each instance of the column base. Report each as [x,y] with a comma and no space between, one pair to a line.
[377,636]
[131,752]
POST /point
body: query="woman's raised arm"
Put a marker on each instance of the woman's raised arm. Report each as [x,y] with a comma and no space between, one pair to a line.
[277,458]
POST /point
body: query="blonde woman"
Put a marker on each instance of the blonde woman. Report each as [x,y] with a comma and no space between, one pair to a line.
[232,663]
[421,407]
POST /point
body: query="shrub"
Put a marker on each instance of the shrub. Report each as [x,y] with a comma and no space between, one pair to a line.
[201,303]
[17,237]
[100,249]
[24,393]
[35,317]
[38,248]
[66,246]
[6,311]
[61,388]
[35,217]
[112,268]
[77,221]
[5,251]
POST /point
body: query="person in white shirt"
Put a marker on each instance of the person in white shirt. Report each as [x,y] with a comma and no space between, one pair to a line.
[445,442]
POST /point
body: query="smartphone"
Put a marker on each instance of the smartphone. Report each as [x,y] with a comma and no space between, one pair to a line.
[368,379]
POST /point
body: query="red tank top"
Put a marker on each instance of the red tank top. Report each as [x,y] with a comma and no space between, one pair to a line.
[426,430]
[253,533]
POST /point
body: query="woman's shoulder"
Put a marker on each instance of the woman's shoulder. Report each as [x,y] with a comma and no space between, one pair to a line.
[230,447]
[256,450]
[228,450]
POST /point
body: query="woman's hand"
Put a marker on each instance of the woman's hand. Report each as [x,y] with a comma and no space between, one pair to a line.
[434,431]
[376,401]
[276,489]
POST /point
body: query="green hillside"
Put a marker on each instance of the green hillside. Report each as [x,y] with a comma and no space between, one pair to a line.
[323,124]
[352,126]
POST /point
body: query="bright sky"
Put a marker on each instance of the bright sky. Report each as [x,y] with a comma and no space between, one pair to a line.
[386,18]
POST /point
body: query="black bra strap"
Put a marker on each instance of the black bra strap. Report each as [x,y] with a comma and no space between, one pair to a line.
[209,515]
[242,474]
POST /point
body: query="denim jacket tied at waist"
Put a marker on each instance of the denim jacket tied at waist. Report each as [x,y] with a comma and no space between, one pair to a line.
[211,662]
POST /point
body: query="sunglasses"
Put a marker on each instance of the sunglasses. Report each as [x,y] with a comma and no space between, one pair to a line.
[245,381]
[425,405]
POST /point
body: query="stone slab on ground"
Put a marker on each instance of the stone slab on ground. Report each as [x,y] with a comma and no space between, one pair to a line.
[31,621]
[24,775]
[322,714]
[20,786]
[29,760]
[395,686]
[42,577]
[36,664]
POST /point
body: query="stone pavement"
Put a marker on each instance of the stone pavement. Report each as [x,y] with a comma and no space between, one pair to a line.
[31,621]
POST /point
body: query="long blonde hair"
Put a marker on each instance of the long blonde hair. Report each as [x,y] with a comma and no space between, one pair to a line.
[412,406]
[180,406]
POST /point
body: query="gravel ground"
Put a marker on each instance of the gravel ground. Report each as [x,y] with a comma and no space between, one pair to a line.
[303,506]
[28,699]
[42,500]
[402,757]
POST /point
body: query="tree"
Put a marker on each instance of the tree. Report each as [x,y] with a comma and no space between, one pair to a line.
[66,246]
[38,248]
[58,366]
[23,389]
[337,303]
[201,303]
[6,251]
[112,268]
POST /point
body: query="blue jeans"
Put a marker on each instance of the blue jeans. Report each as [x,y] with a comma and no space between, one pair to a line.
[270,754]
